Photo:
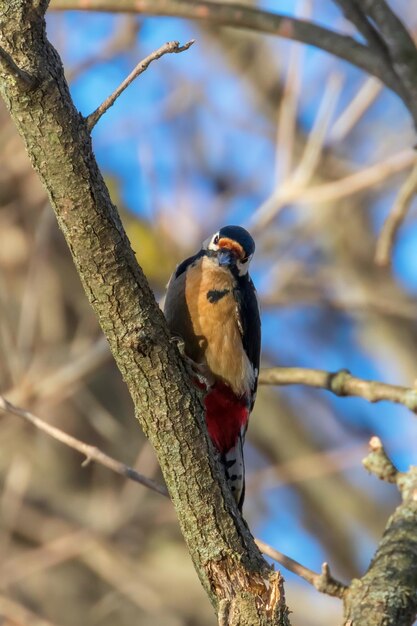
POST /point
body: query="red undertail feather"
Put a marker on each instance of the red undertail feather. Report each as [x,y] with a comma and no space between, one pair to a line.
[225,415]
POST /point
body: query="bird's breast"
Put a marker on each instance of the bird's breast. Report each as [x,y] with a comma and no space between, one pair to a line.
[214,317]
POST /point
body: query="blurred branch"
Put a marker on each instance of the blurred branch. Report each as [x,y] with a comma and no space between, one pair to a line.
[400,45]
[168,48]
[19,614]
[355,109]
[91,452]
[61,381]
[241,16]
[322,582]
[386,594]
[299,293]
[297,191]
[340,383]
[395,219]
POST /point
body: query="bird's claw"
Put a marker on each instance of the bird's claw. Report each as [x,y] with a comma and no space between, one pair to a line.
[197,371]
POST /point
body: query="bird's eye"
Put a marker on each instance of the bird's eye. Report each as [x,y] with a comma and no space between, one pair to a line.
[245,260]
[216,240]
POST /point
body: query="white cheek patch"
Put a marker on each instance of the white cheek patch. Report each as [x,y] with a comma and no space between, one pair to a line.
[209,244]
[243,268]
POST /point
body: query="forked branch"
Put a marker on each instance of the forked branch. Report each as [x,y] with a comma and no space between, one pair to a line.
[168,48]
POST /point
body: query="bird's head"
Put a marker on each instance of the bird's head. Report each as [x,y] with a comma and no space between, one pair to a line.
[232,247]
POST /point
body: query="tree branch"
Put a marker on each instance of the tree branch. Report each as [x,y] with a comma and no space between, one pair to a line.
[386,594]
[167,405]
[168,48]
[401,48]
[241,16]
[396,217]
[28,81]
[358,18]
[341,383]
[91,453]
[323,582]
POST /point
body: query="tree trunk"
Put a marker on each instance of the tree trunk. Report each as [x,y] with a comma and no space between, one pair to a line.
[241,585]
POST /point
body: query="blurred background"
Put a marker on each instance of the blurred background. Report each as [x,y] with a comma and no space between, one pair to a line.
[310,155]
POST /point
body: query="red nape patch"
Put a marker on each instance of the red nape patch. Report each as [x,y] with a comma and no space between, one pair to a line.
[226,413]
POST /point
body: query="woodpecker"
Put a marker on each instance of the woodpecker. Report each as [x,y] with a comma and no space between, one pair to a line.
[211,305]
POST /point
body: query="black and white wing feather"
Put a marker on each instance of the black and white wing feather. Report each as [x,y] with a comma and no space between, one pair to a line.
[249,324]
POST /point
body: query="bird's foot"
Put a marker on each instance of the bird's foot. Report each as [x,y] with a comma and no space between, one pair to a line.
[197,371]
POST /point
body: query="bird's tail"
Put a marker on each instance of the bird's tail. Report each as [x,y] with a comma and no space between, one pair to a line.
[234,467]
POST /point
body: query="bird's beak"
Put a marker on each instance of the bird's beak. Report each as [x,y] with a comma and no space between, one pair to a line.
[226,257]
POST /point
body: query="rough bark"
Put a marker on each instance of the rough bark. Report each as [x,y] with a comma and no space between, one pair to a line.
[386,594]
[243,588]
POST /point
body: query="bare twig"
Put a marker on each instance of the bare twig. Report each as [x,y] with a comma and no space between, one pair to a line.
[306,466]
[355,109]
[354,183]
[61,382]
[24,77]
[168,48]
[372,303]
[287,115]
[91,452]
[341,383]
[378,463]
[395,219]
[315,141]
[242,16]
[294,192]
[323,582]
[297,180]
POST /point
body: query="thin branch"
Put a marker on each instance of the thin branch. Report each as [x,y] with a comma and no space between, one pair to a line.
[297,180]
[292,192]
[396,217]
[323,582]
[62,381]
[371,176]
[242,16]
[341,383]
[378,463]
[355,109]
[168,48]
[358,18]
[90,452]
[24,77]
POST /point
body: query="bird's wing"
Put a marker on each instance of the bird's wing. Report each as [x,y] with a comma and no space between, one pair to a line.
[249,323]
